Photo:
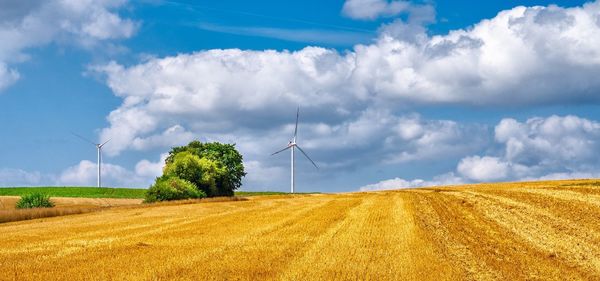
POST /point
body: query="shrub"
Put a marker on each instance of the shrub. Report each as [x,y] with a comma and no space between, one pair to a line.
[170,187]
[34,200]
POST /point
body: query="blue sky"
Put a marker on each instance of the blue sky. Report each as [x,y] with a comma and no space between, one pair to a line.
[392,93]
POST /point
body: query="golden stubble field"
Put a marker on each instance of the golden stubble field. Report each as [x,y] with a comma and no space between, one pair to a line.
[63,206]
[8,202]
[517,231]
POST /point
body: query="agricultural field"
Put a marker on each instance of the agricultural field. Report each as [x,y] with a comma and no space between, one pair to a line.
[512,231]
[67,201]
[80,192]
[102,192]
[78,200]
[63,206]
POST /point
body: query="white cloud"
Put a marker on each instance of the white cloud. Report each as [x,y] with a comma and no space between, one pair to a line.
[566,176]
[378,134]
[482,168]
[515,57]
[374,136]
[261,177]
[85,174]
[522,56]
[372,9]
[7,76]
[556,147]
[175,135]
[165,92]
[104,24]
[553,141]
[428,139]
[398,183]
[536,55]
[30,24]
[148,169]
[18,177]
[552,147]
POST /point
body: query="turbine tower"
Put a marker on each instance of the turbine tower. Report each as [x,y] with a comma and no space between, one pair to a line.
[99,148]
[292,145]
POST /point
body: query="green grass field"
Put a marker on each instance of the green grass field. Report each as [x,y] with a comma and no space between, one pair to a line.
[104,192]
[256,193]
[83,192]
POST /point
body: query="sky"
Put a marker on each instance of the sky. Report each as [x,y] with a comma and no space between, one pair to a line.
[391,94]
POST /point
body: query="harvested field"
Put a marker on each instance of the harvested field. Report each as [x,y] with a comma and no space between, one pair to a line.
[63,206]
[8,202]
[515,231]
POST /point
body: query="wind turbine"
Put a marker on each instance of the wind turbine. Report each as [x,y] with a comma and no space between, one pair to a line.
[292,145]
[99,148]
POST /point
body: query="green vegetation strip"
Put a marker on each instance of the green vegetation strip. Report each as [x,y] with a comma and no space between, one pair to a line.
[104,192]
[82,192]
[257,193]
[260,193]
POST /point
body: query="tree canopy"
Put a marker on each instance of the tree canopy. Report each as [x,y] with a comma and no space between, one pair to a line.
[224,155]
[214,169]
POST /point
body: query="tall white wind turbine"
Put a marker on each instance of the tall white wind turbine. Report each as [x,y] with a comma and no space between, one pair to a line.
[99,148]
[292,145]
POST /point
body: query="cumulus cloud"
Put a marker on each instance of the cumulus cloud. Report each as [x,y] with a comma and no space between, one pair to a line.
[514,57]
[398,183]
[544,148]
[149,169]
[262,177]
[175,135]
[378,134]
[522,56]
[551,148]
[17,177]
[428,139]
[568,175]
[372,9]
[85,173]
[29,24]
[483,168]
[553,141]
[373,136]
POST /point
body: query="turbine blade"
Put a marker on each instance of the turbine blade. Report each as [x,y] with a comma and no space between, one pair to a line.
[84,139]
[281,150]
[105,142]
[313,162]
[296,129]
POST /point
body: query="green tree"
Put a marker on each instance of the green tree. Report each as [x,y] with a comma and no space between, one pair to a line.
[225,156]
[212,174]
[185,165]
